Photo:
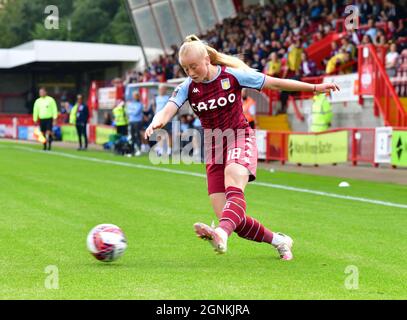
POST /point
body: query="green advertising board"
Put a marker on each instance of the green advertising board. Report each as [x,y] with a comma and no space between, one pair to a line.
[103,133]
[326,148]
[69,133]
[399,148]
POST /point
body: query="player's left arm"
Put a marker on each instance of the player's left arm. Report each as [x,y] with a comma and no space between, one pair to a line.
[294,85]
[256,80]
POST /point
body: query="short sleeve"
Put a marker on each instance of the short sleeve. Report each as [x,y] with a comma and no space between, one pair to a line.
[180,94]
[248,78]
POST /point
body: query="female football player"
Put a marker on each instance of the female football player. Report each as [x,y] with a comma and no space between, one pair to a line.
[213,89]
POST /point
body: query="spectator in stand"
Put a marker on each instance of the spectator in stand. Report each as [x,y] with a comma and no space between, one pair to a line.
[392,60]
[335,61]
[260,30]
[169,68]
[256,64]
[391,30]
[372,31]
[380,39]
[367,39]
[389,11]
[308,67]
[376,7]
[294,58]
[401,31]
[365,10]
[316,10]
[334,49]
[347,46]
[273,66]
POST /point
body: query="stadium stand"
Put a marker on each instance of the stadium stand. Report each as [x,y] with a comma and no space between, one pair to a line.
[297,27]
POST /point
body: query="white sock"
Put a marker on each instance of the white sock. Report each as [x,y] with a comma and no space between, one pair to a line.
[277,239]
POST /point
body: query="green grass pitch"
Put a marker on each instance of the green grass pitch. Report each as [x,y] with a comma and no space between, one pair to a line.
[343,249]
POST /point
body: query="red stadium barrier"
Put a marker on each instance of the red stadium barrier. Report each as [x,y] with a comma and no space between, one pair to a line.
[361,145]
[274,97]
[318,51]
[277,146]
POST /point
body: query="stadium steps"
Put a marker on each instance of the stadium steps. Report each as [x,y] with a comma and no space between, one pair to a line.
[273,123]
[321,49]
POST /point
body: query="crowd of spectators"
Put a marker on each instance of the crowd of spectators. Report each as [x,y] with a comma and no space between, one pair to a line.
[273,38]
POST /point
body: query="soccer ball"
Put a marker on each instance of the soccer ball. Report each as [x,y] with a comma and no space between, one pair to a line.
[106,242]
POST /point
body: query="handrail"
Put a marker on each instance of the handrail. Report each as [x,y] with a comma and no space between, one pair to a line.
[384,90]
[340,23]
[321,49]
[297,111]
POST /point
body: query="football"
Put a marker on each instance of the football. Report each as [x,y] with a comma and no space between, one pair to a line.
[106,242]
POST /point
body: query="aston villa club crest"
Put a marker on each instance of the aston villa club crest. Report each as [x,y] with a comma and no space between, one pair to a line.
[225,84]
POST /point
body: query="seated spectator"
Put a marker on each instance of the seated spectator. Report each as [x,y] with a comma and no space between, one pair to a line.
[336,61]
[365,10]
[259,30]
[372,31]
[380,39]
[294,58]
[334,48]
[256,64]
[391,30]
[401,31]
[316,10]
[391,60]
[342,67]
[347,46]
[308,67]
[273,66]
[367,39]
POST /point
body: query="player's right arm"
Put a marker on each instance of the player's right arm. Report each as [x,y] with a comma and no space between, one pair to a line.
[178,98]
[161,118]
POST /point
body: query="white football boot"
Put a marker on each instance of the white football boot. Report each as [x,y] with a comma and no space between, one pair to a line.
[217,237]
[283,244]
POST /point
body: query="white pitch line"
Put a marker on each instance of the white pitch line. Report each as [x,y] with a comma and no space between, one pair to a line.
[263,184]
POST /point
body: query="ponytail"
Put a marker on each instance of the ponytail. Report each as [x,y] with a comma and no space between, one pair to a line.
[216,58]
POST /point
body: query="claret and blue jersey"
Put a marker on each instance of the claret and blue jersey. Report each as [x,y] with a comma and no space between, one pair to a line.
[218,102]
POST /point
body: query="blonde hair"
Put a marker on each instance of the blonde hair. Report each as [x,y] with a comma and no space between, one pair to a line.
[216,58]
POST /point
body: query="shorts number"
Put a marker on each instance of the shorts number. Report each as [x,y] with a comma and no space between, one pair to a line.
[234,153]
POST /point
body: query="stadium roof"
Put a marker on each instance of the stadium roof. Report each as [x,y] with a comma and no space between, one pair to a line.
[67,51]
